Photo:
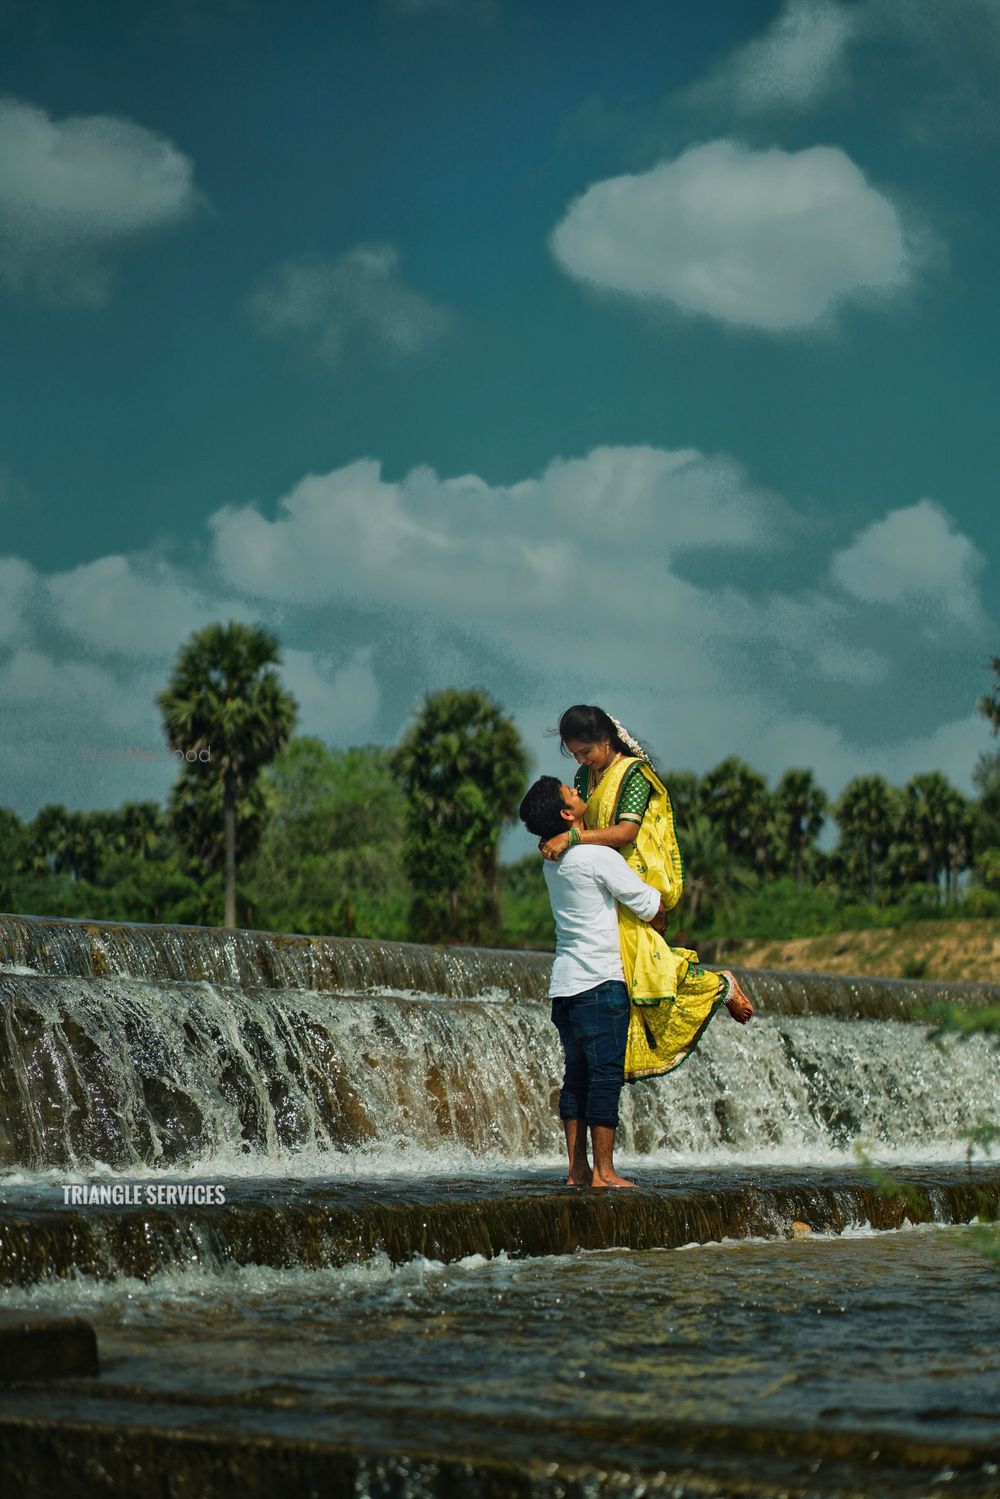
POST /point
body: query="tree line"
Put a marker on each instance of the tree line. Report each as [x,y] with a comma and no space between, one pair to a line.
[288,834]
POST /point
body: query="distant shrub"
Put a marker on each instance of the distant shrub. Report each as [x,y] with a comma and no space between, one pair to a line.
[783,910]
[780,909]
[524,905]
[979,902]
[987,871]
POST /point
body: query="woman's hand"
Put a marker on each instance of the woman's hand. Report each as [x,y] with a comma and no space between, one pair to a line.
[554,848]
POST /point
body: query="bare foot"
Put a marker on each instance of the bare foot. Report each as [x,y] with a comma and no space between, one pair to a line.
[580,1178]
[737,1004]
[612,1179]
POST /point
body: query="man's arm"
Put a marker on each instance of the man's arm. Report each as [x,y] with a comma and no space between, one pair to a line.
[625,885]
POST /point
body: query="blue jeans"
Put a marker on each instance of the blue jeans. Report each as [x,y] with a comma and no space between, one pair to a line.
[593,1029]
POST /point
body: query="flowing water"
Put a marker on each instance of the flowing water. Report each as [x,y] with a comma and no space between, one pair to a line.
[396,1271]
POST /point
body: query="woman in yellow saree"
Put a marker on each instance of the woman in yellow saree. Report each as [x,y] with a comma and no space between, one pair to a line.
[628,808]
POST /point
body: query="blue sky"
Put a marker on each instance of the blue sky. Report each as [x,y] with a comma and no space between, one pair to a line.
[642,355]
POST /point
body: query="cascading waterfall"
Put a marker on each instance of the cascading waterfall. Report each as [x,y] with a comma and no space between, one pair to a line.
[144,1074]
[152,1048]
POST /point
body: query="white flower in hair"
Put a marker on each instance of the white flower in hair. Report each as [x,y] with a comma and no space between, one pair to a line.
[626,739]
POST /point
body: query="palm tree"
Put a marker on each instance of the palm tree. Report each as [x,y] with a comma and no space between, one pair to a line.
[196,814]
[48,838]
[90,834]
[463,768]
[141,829]
[227,712]
[939,819]
[867,812]
[800,811]
[713,876]
[683,788]
[736,801]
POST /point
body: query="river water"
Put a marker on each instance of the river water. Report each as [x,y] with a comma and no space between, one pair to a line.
[397,1271]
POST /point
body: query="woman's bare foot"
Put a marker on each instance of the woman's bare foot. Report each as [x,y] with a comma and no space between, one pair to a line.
[611,1180]
[737,1004]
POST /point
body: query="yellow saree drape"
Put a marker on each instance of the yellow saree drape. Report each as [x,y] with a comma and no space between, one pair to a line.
[673,996]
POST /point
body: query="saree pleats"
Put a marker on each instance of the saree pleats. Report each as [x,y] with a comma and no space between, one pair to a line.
[673,996]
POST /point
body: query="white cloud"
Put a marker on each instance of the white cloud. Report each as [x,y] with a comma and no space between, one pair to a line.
[338,702]
[952,747]
[17,582]
[778,740]
[74,191]
[814,631]
[357,301]
[31,677]
[913,556]
[640,578]
[797,62]
[942,79]
[80,719]
[130,606]
[462,550]
[771,240]
[70,730]
[838,662]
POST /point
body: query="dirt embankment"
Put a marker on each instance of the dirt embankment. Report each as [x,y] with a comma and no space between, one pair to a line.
[921,949]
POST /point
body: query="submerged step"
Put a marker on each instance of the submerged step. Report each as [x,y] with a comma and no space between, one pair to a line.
[43,1348]
[84,1458]
[316,1224]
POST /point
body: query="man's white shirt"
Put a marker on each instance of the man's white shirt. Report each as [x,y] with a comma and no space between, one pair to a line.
[584,886]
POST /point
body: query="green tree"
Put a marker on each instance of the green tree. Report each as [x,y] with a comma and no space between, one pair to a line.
[735,799]
[713,876]
[227,712]
[868,814]
[989,703]
[683,788]
[938,819]
[47,839]
[13,852]
[331,857]
[67,843]
[799,810]
[986,813]
[524,903]
[141,829]
[463,768]
[196,815]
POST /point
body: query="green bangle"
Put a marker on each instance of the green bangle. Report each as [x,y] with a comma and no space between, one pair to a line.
[574,836]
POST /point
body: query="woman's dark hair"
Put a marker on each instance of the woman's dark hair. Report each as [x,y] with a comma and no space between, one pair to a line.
[542,808]
[588,724]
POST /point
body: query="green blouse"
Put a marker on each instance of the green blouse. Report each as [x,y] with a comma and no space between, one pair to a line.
[633,795]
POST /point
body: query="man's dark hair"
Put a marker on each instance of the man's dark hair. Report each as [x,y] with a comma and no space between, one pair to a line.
[542,808]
